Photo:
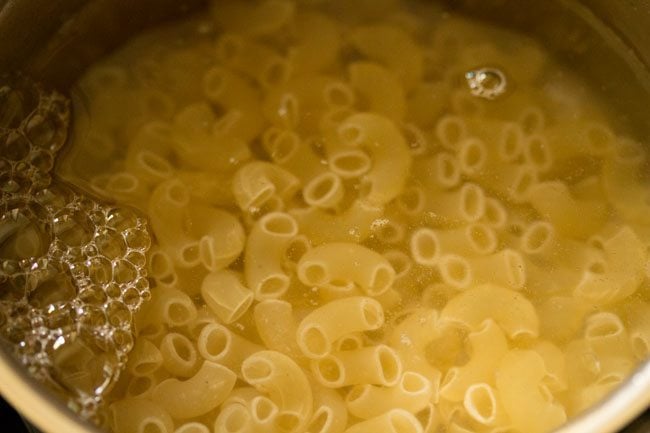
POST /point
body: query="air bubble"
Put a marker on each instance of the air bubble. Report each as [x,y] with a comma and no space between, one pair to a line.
[488,83]
[14,146]
[72,271]
[73,228]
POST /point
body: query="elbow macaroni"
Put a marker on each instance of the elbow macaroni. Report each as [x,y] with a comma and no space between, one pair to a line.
[349,235]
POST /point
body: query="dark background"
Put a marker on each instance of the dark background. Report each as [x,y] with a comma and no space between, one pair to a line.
[10,421]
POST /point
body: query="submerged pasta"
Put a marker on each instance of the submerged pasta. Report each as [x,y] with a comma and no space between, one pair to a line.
[349,241]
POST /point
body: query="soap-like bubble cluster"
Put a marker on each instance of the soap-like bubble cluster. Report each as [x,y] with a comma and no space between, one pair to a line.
[72,270]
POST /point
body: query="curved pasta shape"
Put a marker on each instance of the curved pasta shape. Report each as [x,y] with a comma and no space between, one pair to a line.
[461,206]
[192,427]
[197,395]
[509,309]
[255,60]
[482,405]
[391,158]
[346,265]
[138,415]
[221,236]
[197,131]
[277,327]
[144,359]
[171,307]
[412,393]
[555,203]
[265,250]
[379,365]
[256,182]
[505,268]
[178,354]
[324,191]
[330,414]
[234,418]
[394,421]
[625,261]
[518,381]
[216,343]
[352,225]
[278,375]
[488,345]
[326,324]
[264,412]
[224,293]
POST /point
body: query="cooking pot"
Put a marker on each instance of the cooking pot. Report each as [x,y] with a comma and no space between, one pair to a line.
[55,40]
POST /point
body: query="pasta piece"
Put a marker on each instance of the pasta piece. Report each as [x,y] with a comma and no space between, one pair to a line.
[234,418]
[388,150]
[144,359]
[639,319]
[139,415]
[625,259]
[255,60]
[197,395]
[294,154]
[221,236]
[472,157]
[342,266]
[258,181]
[554,361]
[264,413]
[505,268]
[171,307]
[482,405]
[329,322]
[352,225]
[455,271]
[379,365]
[473,239]
[518,384]
[178,355]
[285,382]
[425,247]
[555,203]
[380,88]
[412,393]
[265,250]
[392,47]
[461,206]
[277,327]
[324,191]
[394,421]
[495,213]
[561,317]
[226,296]
[197,131]
[192,427]
[488,345]
[209,188]
[607,336]
[450,131]
[330,414]
[217,344]
[509,309]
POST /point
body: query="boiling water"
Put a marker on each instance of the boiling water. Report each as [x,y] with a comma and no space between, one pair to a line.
[72,270]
